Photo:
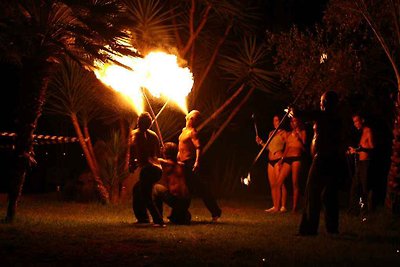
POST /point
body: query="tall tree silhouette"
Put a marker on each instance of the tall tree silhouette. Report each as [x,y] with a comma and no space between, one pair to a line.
[35,34]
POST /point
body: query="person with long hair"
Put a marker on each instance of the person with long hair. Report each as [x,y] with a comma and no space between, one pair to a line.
[145,150]
[275,153]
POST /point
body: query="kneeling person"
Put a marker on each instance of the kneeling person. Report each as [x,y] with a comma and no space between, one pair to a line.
[172,188]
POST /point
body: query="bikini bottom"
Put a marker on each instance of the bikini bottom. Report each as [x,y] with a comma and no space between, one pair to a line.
[273,162]
[290,160]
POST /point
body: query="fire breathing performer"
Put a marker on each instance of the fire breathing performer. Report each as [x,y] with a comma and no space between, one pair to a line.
[189,152]
[145,150]
[326,171]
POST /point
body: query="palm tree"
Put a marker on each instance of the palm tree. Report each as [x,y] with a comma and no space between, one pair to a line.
[36,34]
[112,169]
[201,31]
[246,67]
[72,92]
[152,28]
[249,67]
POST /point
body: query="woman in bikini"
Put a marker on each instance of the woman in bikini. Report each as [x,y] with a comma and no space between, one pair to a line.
[275,153]
[292,160]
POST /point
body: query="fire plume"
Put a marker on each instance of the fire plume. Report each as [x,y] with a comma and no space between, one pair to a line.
[158,72]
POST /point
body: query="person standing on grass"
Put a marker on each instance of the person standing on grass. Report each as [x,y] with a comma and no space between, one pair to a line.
[172,188]
[324,177]
[145,150]
[275,153]
[189,153]
[361,182]
[292,159]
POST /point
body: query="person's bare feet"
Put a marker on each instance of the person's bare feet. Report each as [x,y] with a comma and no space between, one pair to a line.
[271,210]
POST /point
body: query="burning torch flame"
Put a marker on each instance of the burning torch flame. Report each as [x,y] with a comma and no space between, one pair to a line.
[159,72]
[323,57]
[246,181]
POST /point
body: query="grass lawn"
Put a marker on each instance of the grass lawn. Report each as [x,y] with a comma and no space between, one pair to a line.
[48,232]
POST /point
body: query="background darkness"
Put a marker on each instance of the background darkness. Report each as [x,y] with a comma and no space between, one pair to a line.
[59,162]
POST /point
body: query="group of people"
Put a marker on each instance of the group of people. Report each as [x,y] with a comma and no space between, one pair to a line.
[328,151]
[285,156]
[168,175]
[171,175]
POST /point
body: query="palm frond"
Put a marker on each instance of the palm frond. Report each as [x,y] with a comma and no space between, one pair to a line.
[152,28]
[249,63]
[73,90]
[51,29]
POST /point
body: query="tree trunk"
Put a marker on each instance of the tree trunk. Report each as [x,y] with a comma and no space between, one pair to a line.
[393,184]
[123,189]
[115,182]
[213,57]
[34,80]
[103,193]
[125,155]
[196,33]
[228,120]
[89,144]
[126,136]
[221,108]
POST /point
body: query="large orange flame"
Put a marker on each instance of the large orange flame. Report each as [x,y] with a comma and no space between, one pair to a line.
[159,72]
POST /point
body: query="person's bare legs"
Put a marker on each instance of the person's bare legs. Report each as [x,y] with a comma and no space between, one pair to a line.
[296,167]
[272,176]
[284,198]
[285,171]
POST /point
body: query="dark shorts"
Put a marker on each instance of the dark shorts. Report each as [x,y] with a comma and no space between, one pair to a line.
[150,173]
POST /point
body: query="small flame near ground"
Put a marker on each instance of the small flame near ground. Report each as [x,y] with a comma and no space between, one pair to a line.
[246,180]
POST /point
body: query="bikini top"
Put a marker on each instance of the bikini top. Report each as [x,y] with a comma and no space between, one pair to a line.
[277,143]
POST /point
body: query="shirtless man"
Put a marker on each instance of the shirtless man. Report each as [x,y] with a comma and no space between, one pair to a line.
[291,160]
[361,180]
[189,152]
[145,150]
[172,187]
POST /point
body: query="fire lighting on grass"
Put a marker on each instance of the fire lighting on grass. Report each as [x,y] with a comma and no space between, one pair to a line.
[160,73]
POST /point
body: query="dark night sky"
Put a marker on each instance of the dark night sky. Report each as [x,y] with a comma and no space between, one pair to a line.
[279,15]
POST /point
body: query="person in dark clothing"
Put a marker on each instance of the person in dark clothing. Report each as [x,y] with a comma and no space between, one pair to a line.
[326,171]
[189,152]
[172,188]
[145,149]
